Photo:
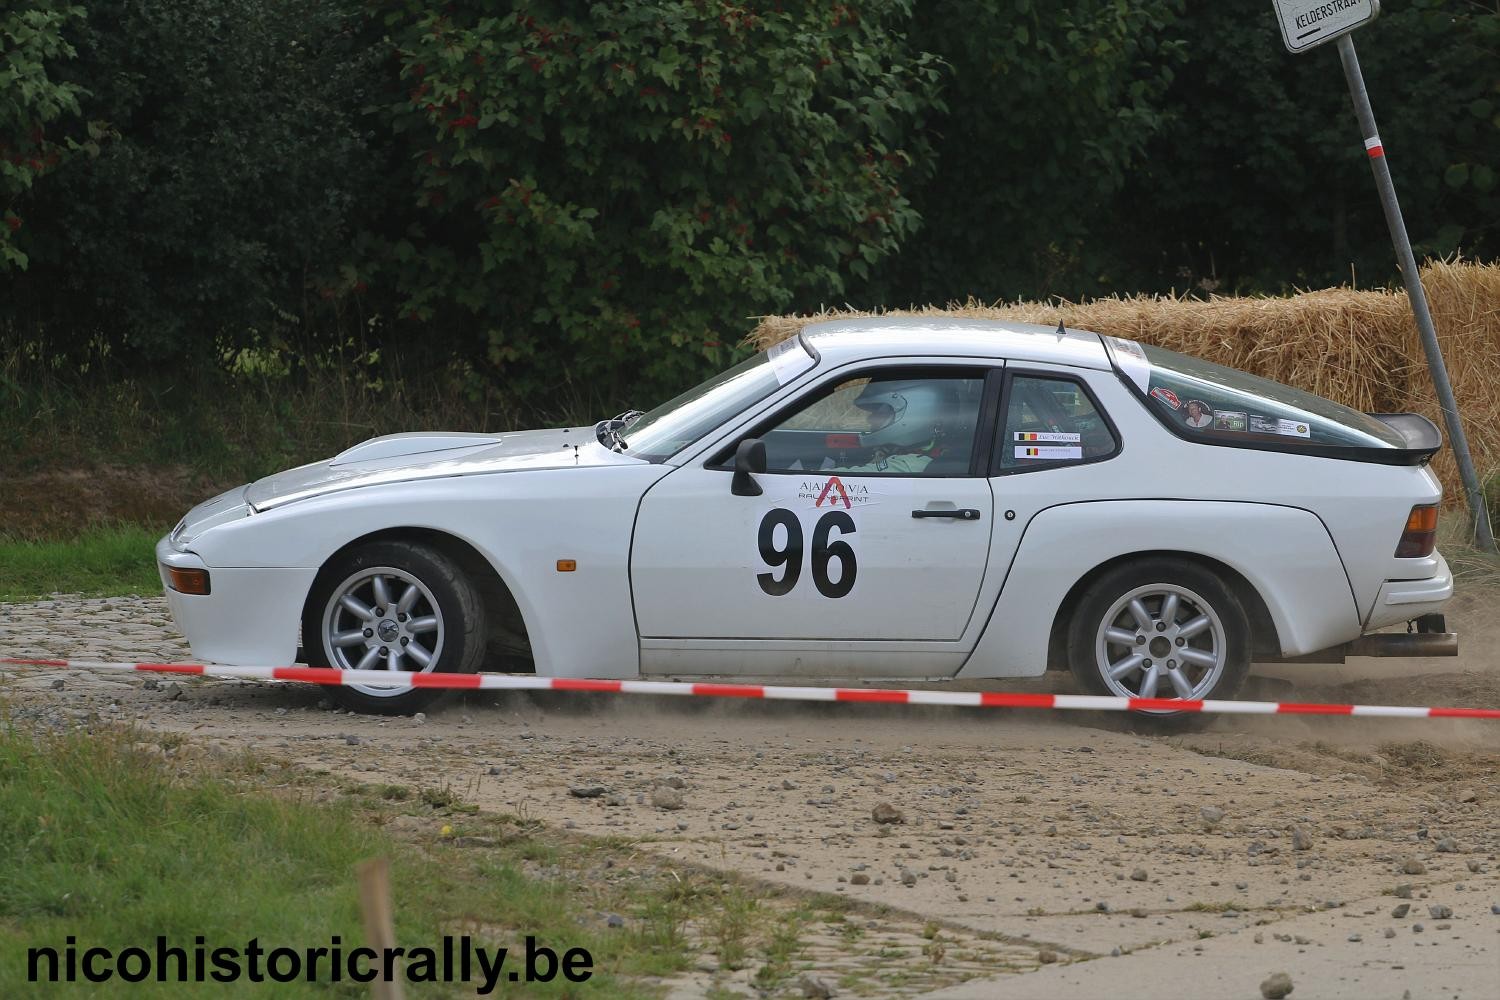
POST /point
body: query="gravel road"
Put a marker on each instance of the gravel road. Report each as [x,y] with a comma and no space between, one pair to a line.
[1359,856]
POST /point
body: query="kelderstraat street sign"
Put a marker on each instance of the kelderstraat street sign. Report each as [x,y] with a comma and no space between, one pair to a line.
[1306,23]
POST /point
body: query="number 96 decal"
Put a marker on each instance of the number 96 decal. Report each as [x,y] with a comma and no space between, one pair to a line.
[824,553]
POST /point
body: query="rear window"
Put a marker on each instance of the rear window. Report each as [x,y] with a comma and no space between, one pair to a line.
[1220,405]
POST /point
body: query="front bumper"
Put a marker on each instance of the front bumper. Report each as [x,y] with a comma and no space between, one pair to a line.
[1402,600]
[251,617]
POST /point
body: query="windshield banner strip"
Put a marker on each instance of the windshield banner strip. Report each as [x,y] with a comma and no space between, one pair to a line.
[788,360]
[959,699]
[1130,358]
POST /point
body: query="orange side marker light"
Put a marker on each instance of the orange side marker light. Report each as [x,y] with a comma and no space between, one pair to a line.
[188,581]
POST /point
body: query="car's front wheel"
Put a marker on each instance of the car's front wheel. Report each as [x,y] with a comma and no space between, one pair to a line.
[1160,628]
[393,606]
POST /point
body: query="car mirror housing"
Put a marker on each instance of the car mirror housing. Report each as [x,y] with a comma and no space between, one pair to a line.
[749,458]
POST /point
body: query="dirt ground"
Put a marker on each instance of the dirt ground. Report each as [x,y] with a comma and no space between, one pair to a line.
[1061,855]
[55,503]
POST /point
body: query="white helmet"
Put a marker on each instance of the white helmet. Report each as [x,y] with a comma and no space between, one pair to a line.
[914,413]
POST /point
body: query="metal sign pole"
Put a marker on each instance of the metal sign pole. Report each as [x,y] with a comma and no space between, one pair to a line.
[1413,282]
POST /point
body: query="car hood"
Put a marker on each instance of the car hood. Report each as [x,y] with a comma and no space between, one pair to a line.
[399,458]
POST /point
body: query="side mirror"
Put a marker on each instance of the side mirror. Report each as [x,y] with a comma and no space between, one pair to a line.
[749,458]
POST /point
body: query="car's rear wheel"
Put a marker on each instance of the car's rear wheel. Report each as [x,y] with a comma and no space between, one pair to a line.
[393,606]
[1160,628]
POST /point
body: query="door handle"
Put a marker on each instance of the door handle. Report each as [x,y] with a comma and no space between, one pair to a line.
[962,513]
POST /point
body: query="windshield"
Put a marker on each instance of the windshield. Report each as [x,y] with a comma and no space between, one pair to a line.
[1221,405]
[661,433]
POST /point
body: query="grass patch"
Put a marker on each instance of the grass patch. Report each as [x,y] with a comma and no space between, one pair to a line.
[102,838]
[240,415]
[106,561]
[1470,566]
[729,926]
[783,948]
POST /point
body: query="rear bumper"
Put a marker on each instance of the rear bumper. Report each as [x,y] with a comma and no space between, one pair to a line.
[1402,600]
[250,618]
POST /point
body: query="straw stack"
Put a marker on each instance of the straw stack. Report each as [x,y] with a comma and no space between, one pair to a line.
[1360,348]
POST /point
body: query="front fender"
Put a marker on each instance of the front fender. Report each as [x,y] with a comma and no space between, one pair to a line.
[1285,553]
[580,623]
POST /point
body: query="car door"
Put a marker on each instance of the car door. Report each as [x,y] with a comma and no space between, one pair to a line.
[872,526]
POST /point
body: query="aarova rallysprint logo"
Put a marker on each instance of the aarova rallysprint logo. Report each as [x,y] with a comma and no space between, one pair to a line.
[454,960]
[833,492]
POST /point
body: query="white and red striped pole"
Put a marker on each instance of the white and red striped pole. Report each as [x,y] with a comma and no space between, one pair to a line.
[1410,277]
[768,692]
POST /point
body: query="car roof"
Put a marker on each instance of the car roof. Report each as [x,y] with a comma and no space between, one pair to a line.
[956,336]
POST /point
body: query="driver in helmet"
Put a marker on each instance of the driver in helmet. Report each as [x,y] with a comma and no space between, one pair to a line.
[905,421]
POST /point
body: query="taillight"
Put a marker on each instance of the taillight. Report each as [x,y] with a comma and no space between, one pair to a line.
[1421,533]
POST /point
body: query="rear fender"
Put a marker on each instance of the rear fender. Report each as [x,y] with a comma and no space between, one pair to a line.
[1285,553]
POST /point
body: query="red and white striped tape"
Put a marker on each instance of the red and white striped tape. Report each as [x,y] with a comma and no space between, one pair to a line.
[769,692]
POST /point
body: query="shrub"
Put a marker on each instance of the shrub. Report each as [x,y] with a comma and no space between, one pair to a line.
[225,200]
[31,38]
[606,194]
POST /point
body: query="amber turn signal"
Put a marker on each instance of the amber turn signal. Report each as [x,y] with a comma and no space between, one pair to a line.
[567,565]
[188,581]
[1420,535]
[1422,519]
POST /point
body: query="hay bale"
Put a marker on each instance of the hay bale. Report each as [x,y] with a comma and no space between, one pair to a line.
[1465,302]
[1360,348]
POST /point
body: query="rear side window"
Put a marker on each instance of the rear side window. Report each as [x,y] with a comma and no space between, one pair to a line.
[1220,405]
[1051,421]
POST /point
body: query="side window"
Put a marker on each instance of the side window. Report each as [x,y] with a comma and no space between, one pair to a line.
[890,422]
[1051,421]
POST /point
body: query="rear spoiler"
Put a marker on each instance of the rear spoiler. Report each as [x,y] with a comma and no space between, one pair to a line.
[1420,434]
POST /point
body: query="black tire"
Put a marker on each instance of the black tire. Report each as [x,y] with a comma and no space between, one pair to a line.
[458,608]
[1194,585]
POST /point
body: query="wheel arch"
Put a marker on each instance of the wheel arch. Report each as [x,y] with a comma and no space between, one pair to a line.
[508,634]
[1265,641]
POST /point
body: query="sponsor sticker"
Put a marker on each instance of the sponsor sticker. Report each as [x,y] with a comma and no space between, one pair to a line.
[1167,396]
[1048,451]
[1229,420]
[1059,436]
[823,494]
[1199,414]
[1277,425]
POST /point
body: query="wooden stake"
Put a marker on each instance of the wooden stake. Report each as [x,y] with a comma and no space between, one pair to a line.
[380,926]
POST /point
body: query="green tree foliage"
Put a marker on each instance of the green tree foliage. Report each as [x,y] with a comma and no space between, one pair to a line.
[239,169]
[608,191]
[582,204]
[1261,182]
[31,39]
[1049,106]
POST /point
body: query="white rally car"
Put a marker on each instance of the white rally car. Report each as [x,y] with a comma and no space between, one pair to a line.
[912,498]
